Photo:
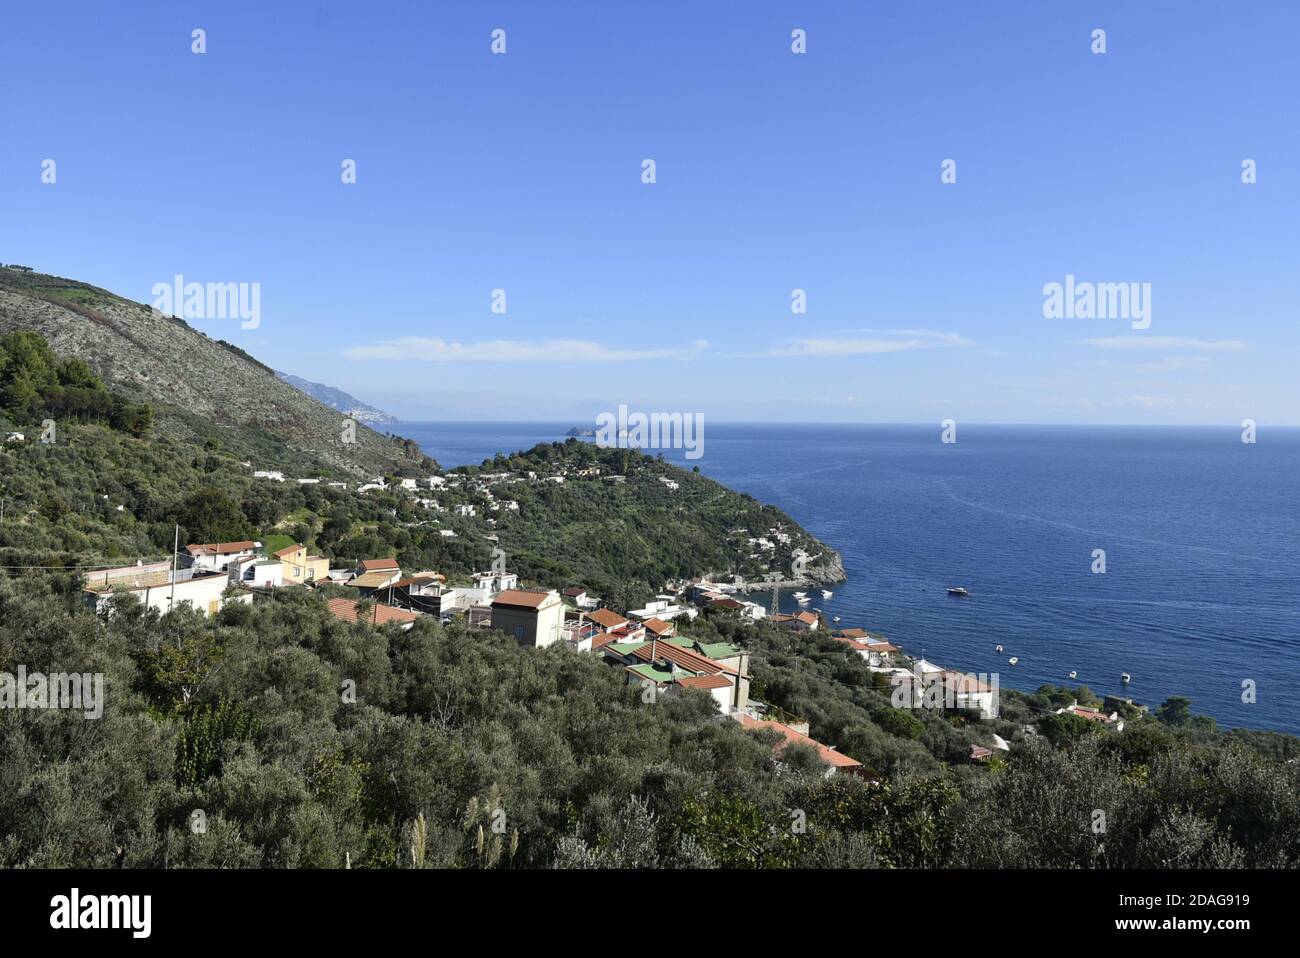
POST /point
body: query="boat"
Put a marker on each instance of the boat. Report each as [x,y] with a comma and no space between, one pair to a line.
[836,619]
[957,590]
[997,648]
[801,595]
[1125,678]
[1013,660]
[1074,674]
[827,593]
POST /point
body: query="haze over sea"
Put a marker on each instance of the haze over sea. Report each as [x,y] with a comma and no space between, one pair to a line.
[1201,534]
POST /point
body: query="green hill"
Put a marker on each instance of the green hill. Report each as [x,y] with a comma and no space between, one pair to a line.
[199,387]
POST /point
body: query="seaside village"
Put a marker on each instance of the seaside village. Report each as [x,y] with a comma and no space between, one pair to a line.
[643,642]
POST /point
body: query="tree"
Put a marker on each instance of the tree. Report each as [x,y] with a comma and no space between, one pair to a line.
[1176,711]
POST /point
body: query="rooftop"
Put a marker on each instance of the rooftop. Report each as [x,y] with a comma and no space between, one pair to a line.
[827,754]
[380,614]
[519,598]
[222,548]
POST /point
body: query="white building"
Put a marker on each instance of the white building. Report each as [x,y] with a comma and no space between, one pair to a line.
[267,573]
[662,608]
[269,474]
[533,618]
[217,556]
[202,592]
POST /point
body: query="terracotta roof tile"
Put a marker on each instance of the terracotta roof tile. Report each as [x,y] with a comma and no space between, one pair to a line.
[827,754]
[607,619]
[346,610]
[705,682]
[221,548]
[521,599]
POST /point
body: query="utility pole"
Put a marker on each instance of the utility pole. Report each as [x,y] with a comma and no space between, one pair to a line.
[176,547]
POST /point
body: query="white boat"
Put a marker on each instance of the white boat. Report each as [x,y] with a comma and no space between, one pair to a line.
[826,593]
[1013,660]
[997,648]
[1073,674]
[836,619]
[801,595]
[958,590]
[1125,678]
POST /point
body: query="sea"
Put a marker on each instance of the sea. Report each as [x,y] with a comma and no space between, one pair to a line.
[1200,593]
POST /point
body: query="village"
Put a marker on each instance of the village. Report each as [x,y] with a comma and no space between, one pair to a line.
[644,642]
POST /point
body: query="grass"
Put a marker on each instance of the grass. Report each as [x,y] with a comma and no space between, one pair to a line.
[275,542]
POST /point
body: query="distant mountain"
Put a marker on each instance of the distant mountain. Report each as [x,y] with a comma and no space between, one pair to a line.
[337,399]
[200,388]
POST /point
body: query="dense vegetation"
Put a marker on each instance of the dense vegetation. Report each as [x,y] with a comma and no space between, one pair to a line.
[237,741]
[36,385]
[110,491]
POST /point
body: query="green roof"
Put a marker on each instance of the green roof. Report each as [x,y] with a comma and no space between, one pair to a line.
[648,671]
[624,648]
[711,650]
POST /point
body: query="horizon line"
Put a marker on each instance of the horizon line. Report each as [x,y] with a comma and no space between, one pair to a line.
[805,422]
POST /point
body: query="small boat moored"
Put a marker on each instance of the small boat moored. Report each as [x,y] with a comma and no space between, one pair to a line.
[957,590]
[827,593]
[1125,678]
[1074,674]
[1013,660]
[997,648]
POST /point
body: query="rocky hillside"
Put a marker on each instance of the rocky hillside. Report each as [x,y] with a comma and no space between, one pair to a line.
[194,382]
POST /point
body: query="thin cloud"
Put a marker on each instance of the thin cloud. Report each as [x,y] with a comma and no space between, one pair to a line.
[433,350]
[1168,365]
[1165,342]
[890,341]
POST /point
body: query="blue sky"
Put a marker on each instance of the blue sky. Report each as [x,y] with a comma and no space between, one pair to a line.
[775,171]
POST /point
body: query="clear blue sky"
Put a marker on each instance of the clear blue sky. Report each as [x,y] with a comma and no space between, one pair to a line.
[775,171]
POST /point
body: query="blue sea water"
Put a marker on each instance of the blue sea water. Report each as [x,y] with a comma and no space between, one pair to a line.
[1201,533]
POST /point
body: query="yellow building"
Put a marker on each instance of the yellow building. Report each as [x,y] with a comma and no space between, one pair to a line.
[299,567]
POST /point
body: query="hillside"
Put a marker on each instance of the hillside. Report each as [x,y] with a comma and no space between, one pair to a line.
[613,524]
[337,399]
[195,383]
[240,715]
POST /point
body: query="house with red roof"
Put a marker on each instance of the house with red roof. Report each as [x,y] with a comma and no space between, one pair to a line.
[836,762]
[217,556]
[379,614]
[796,622]
[534,618]
[674,664]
